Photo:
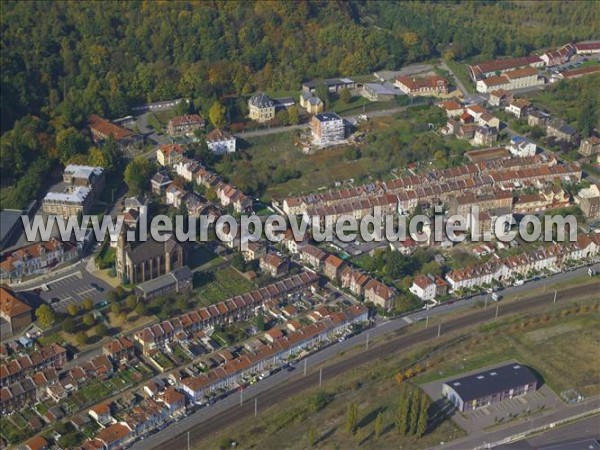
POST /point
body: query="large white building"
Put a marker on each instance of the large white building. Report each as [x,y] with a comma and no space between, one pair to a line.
[515,79]
[220,142]
[521,147]
[327,129]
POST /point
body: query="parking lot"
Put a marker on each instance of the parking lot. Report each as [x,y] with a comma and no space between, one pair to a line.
[73,289]
[488,417]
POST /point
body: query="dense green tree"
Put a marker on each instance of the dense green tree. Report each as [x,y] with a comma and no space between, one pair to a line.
[81,338]
[69,143]
[293,115]
[415,405]
[282,117]
[351,417]
[101,330]
[345,95]
[141,309]
[137,174]
[216,115]
[312,436]
[45,316]
[72,309]
[260,322]
[238,262]
[403,410]
[113,296]
[87,304]
[115,308]
[423,415]
[587,116]
[131,301]
[68,325]
[89,320]
[378,426]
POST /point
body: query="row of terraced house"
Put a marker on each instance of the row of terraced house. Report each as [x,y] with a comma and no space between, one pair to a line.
[404,194]
[348,277]
[552,257]
[291,340]
[191,170]
[237,308]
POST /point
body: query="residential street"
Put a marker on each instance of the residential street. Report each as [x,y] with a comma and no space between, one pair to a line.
[459,83]
[280,386]
[578,431]
[276,130]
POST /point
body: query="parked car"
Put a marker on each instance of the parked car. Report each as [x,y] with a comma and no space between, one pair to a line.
[496,297]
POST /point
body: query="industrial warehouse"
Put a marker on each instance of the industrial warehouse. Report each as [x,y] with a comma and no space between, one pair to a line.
[491,386]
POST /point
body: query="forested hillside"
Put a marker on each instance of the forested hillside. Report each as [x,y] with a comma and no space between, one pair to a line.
[62,61]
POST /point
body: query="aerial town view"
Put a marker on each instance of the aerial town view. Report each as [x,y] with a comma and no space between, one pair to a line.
[300,224]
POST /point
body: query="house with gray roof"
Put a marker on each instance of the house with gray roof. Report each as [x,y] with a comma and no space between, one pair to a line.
[261,107]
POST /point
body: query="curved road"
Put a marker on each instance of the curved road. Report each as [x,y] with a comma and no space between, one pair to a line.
[227,411]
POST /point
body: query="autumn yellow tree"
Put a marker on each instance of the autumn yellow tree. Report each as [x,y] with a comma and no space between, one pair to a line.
[216,115]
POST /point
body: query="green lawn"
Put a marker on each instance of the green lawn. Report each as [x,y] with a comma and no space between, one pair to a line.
[201,255]
[226,283]
[390,142]
[95,391]
[560,346]
[12,432]
[564,99]
[42,408]
[462,73]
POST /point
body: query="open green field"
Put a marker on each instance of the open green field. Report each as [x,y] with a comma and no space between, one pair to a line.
[226,283]
[462,73]
[561,344]
[322,413]
[316,171]
[391,142]
[565,99]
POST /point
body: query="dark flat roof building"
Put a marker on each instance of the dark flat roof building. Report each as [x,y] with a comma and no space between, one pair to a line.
[10,223]
[179,280]
[491,386]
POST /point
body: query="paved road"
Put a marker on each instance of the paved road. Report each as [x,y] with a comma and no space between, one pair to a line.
[578,431]
[459,83]
[276,130]
[286,384]
[148,131]
[564,412]
[71,286]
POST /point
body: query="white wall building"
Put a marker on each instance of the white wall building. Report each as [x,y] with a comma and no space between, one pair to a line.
[220,142]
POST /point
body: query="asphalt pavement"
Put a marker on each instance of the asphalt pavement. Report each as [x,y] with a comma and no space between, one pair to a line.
[284,384]
[581,431]
[71,286]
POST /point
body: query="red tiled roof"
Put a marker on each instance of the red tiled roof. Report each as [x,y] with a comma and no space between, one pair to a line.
[450,105]
[36,443]
[504,64]
[105,128]
[113,433]
[422,281]
[11,306]
[190,119]
[521,73]
[218,135]
[580,72]
[334,261]
[167,149]
[588,46]
[414,83]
